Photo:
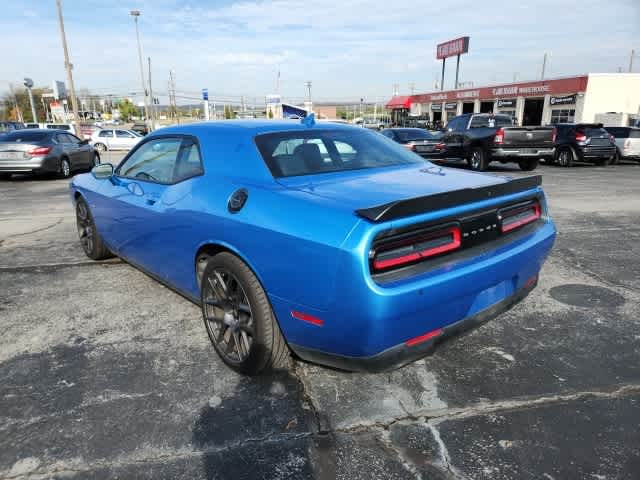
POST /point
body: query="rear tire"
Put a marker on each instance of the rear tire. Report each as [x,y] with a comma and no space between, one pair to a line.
[478,159]
[101,147]
[90,239]
[564,157]
[238,317]
[616,158]
[528,164]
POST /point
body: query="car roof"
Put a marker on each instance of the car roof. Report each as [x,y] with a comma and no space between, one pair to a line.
[249,127]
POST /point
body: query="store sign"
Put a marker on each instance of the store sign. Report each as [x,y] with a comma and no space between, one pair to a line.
[565,100]
[452,48]
[507,103]
[468,94]
[439,96]
[436,107]
[451,106]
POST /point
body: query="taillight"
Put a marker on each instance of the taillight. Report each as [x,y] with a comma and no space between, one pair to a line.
[627,144]
[554,134]
[408,146]
[581,137]
[518,216]
[499,137]
[440,146]
[38,151]
[415,248]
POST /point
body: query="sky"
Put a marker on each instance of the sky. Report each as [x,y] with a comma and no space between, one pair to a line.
[348,49]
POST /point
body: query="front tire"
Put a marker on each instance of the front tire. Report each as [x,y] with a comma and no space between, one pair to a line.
[101,147]
[90,239]
[65,168]
[478,159]
[238,317]
[528,164]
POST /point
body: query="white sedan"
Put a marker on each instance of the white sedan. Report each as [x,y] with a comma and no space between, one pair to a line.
[114,139]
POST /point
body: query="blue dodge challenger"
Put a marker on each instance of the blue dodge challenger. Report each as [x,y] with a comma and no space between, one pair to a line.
[325,240]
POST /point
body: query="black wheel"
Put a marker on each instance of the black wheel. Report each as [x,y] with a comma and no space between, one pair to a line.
[101,147]
[564,157]
[239,319]
[478,159]
[89,237]
[616,158]
[528,164]
[65,168]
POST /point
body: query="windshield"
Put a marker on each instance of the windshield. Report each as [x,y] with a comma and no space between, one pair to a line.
[308,152]
[413,134]
[24,136]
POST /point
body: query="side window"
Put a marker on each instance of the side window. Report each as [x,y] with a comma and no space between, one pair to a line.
[189,163]
[72,139]
[454,124]
[154,161]
[347,152]
[388,133]
[62,138]
[123,134]
[106,133]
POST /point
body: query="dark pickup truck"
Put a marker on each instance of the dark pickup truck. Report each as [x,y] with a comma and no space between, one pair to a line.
[481,138]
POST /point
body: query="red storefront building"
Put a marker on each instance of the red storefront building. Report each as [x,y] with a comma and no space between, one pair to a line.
[541,102]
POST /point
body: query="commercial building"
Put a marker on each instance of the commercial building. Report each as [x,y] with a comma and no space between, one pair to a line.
[541,102]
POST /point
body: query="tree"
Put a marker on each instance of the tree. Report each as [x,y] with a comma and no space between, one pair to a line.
[228,112]
[270,114]
[127,110]
[22,99]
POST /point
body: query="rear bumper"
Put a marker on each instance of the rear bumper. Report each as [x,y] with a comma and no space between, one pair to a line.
[519,153]
[36,165]
[588,152]
[402,354]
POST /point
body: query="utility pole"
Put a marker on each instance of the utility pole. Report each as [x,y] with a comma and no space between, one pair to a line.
[172,94]
[135,14]
[308,85]
[412,88]
[633,53]
[544,66]
[29,84]
[153,101]
[69,66]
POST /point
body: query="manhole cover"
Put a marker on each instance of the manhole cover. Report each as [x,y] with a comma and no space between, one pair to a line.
[586,296]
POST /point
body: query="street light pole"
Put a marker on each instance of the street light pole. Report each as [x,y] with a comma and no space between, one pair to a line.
[29,84]
[135,14]
[68,66]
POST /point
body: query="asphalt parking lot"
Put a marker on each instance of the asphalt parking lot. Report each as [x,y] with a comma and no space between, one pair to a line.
[107,374]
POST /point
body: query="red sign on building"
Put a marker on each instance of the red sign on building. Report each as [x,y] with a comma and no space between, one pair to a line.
[452,48]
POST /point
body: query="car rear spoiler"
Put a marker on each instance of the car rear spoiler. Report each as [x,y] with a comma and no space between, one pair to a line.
[439,201]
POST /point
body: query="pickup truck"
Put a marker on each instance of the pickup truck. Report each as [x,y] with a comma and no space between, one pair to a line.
[481,138]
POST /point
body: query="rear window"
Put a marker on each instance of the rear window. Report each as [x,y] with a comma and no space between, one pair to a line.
[593,132]
[23,136]
[618,132]
[409,135]
[492,122]
[308,152]
[634,134]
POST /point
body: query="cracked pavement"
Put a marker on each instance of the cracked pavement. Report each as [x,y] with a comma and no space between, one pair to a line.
[104,373]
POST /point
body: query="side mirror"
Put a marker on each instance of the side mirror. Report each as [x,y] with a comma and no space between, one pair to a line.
[102,171]
[84,142]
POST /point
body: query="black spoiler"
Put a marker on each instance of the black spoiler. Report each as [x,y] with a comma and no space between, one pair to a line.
[439,201]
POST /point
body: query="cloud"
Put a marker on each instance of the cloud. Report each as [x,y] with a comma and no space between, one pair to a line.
[349,49]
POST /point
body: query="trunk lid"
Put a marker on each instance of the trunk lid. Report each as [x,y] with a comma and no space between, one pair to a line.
[15,150]
[358,189]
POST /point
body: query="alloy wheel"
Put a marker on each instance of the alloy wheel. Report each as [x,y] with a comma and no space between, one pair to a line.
[85,227]
[475,160]
[229,319]
[65,168]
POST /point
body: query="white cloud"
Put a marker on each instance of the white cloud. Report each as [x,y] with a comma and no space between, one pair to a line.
[349,49]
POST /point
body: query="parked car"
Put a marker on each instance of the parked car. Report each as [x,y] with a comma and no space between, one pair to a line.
[584,142]
[627,140]
[114,139]
[481,138]
[69,127]
[140,128]
[89,130]
[31,125]
[416,140]
[45,151]
[10,126]
[361,260]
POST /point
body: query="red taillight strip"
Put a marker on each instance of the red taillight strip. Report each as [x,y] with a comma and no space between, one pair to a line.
[429,252]
[423,338]
[39,151]
[305,317]
[523,221]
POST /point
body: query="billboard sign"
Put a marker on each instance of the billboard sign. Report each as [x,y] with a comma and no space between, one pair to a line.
[205,94]
[59,90]
[564,100]
[452,48]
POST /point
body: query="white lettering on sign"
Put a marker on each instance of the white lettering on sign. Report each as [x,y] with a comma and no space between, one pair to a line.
[534,89]
[468,94]
[505,91]
[440,96]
